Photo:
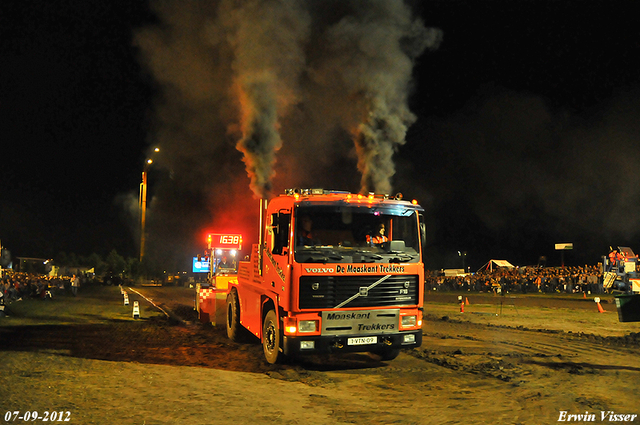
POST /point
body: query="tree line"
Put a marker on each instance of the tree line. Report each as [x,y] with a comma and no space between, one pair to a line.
[112,264]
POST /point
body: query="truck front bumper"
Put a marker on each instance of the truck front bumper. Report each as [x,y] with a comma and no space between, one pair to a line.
[318,344]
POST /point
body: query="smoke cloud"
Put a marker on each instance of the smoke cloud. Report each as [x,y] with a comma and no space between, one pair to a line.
[371,53]
[267,38]
[302,93]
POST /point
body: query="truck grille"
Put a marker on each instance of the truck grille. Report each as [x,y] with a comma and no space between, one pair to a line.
[329,291]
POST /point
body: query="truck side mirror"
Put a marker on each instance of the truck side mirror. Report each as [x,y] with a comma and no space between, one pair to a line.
[423,228]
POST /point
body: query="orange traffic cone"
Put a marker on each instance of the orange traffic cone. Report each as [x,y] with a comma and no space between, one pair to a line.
[600,309]
[466,300]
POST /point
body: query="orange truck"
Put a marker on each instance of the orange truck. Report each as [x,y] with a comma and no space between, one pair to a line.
[323,279]
[222,252]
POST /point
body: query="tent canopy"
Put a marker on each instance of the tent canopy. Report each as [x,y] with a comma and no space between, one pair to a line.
[496,263]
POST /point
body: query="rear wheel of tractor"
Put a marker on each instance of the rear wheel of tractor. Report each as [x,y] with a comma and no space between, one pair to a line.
[234,328]
[271,338]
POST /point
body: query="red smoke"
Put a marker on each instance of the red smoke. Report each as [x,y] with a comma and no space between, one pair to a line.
[233,210]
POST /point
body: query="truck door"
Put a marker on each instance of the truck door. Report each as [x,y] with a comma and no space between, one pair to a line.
[277,250]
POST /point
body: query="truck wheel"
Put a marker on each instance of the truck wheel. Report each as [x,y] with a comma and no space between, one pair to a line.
[386,354]
[271,337]
[234,328]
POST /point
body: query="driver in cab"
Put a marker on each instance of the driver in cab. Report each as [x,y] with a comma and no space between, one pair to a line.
[378,237]
[305,235]
[224,263]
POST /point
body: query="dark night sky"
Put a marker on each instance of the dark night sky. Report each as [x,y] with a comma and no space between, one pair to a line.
[526,133]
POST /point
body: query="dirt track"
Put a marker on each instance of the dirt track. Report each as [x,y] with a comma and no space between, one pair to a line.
[473,367]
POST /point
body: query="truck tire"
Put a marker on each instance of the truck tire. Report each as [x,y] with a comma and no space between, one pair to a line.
[234,328]
[387,354]
[271,338]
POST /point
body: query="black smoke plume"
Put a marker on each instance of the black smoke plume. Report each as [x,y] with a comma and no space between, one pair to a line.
[324,85]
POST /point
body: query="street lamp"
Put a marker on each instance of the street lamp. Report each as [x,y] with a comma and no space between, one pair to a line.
[142,203]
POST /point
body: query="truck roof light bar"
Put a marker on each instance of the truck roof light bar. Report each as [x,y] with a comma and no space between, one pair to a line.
[298,192]
[313,191]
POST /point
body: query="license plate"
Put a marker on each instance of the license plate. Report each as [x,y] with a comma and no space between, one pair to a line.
[362,341]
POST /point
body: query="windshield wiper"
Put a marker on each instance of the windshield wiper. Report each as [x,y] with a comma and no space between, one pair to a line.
[401,258]
[317,256]
[366,257]
[369,257]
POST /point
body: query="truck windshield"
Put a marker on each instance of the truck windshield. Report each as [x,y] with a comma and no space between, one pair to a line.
[351,234]
[224,263]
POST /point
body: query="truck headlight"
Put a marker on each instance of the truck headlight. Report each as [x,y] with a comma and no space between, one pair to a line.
[409,321]
[307,326]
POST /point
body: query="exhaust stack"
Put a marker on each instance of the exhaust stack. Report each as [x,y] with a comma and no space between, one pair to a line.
[262,229]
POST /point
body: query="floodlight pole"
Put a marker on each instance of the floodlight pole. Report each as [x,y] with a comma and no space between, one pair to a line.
[142,204]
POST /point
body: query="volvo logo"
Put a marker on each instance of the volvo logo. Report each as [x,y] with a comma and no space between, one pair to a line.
[319,269]
[407,284]
[315,286]
[363,291]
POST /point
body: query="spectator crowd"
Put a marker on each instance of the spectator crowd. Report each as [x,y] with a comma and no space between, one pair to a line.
[588,279]
[19,286]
